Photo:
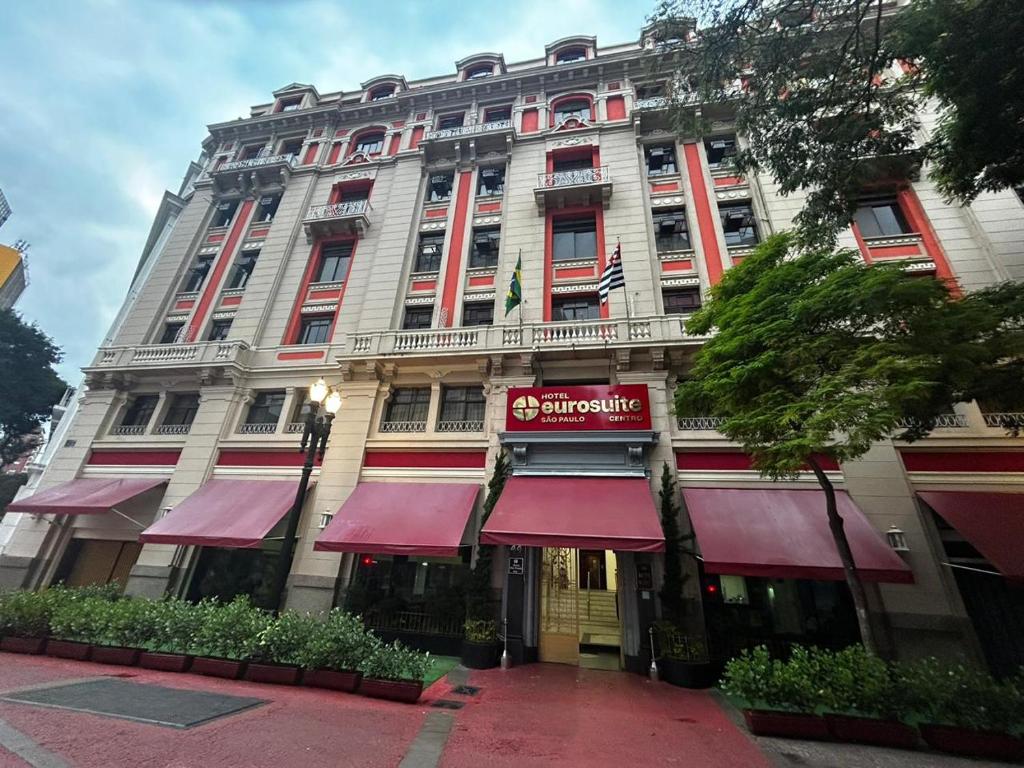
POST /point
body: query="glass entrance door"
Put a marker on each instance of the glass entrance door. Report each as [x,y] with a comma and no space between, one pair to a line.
[559,607]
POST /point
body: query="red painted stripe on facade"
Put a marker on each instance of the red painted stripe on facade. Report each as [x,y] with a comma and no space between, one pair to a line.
[134,458]
[677,266]
[672,187]
[424,285]
[398,124]
[454,266]
[966,461]
[323,295]
[393,144]
[301,355]
[912,209]
[728,181]
[310,156]
[244,458]
[292,331]
[217,238]
[894,251]
[227,254]
[335,153]
[436,213]
[187,304]
[231,301]
[616,108]
[259,233]
[530,121]
[705,216]
[489,207]
[481,280]
[561,274]
[730,461]
[426,459]
[416,138]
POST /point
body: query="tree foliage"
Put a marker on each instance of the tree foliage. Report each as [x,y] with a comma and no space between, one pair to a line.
[29,386]
[824,111]
[671,593]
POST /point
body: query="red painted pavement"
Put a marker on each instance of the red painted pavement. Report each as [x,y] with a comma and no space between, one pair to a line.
[546,714]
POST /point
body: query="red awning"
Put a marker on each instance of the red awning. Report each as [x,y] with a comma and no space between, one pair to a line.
[992,522]
[225,513]
[85,496]
[401,519]
[783,533]
[579,512]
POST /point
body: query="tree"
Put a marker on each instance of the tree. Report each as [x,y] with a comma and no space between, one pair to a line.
[816,93]
[479,597]
[816,354]
[29,386]
[671,593]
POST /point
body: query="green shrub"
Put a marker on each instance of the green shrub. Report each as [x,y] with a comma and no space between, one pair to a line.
[675,644]
[284,638]
[228,630]
[395,662]
[81,620]
[763,682]
[341,642]
[859,683]
[25,614]
[480,630]
[169,626]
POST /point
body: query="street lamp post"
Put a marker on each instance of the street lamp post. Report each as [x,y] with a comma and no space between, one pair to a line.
[314,442]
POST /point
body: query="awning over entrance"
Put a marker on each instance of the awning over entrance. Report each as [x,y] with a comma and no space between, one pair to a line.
[576,512]
[426,519]
[992,522]
[85,496]
[225,513]
[784,534]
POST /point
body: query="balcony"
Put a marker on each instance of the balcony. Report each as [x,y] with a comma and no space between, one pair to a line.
[261,428]
[256,172]
[698,423]
[172,429]
[655,112]
[196,355]
[495,136]
[460,426]
[583,186]
[403,426]
[352,218]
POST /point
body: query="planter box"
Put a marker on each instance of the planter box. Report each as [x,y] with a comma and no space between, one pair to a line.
[964,741]
[126,657]
[68,649]
[278,674]
[165,662]
[790,725]
[480,655]
[333,679]
[407,691]
[689,674]
[32,645]
[226,668]
[868,730]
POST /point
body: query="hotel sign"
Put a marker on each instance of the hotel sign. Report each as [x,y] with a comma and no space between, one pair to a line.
[592,407]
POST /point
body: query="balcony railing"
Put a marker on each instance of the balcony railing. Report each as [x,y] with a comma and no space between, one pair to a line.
[259,162]
[348,218]
[1004,420]
[198,353]
[574,177]
[258,429]
[460,426]
[943,421]
[688,423]
[294,427]
[468,130]
[172,429]
[403,426]
[337,210]
[414,622]
[129,429]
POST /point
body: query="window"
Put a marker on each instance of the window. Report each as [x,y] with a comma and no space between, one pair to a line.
[575,308]
[569,55]
[266,407]
[484,70]
[408,404]
[739,224]
[485,247]
[650,91]
[491,181]
[670,231]
[382,92]
[182,409]
[370,143]
[681,301]
[574,239]
[440,186]
[219,330]
[302,410]
[291,146]
[462,404]
[250,151]
[563,164]
[661,160]
[450,121]
[315,329]
[478,313]
[334,261]
[720,150]
[880,218]
[290,105]
[428,257]
[224,213]
[417,318]
[267,208]
[494,114]
[242,270]
[578,108]
[140,411]
[171,333]
[197,275]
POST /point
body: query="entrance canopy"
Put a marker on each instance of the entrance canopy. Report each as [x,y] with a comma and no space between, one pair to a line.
[225,513]
[85,496]
[783,533]
[426,519]
[992,522]
[576,512]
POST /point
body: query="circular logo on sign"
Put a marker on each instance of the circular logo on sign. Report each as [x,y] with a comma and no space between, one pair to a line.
[525,407]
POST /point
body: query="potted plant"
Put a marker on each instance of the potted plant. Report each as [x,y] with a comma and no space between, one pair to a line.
[331,655]
[778,698]
[167,634]
[125,628]
[392,671]
[74,625]
[226,637]
[279,649]
[480,646]
[24,622]
[863,702]
[684,661]
[965,711]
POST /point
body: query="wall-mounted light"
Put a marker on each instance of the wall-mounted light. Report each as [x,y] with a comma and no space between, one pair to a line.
[897,539]
[325,519]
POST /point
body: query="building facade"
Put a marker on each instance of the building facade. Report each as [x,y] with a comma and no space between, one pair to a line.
[368,237]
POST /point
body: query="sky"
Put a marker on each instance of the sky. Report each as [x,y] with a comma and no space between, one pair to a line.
[103,103]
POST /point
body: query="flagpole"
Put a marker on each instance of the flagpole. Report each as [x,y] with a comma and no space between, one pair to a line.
[625,290]
[522,341]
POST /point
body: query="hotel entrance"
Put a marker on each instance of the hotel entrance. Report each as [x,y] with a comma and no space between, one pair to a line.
[579,610]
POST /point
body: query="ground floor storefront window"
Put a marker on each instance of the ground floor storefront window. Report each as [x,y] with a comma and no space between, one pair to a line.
[226,573]
[97,561]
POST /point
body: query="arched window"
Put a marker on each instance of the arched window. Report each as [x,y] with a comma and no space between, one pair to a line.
[569,55]
[483,70]
[382,92]
[578,108]
[369,143]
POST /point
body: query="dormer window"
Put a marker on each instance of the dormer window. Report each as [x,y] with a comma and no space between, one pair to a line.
[573,108]
[570,55]
[382,92]
[441,186]
[290,104]
[370,143]
[484,70]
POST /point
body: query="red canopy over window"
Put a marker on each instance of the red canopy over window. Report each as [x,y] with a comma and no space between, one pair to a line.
[992,522]
[85,496]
